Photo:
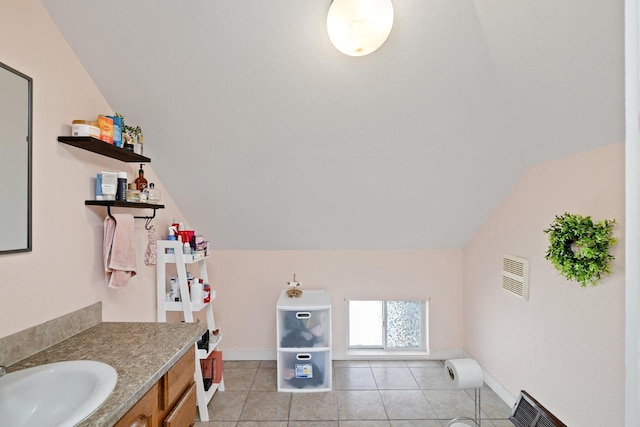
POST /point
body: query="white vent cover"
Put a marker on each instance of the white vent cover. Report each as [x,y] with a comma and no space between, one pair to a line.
[515,276]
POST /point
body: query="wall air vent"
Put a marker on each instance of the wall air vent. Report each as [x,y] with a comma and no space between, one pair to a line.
[515,276]
[528,412]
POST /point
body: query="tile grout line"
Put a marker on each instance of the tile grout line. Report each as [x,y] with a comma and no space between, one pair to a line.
[246,399]
[379,395]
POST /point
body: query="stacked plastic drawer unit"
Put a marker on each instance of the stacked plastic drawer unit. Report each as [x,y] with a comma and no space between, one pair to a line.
[304,342]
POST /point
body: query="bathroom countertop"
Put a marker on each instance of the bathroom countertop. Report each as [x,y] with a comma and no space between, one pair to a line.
[141,353]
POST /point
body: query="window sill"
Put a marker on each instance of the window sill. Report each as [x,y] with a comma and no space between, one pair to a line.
[386,354]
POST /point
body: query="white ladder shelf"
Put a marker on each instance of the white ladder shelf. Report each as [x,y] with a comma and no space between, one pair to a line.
[188,307]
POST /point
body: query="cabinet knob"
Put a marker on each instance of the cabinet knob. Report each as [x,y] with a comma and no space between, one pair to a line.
[141,421]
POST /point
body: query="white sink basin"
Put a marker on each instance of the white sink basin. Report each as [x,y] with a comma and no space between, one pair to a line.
[57,394]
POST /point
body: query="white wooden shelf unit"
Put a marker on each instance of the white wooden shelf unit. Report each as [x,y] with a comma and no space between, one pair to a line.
[188,308]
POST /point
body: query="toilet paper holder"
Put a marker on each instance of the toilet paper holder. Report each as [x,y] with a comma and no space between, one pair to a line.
[466,373]
[476,415]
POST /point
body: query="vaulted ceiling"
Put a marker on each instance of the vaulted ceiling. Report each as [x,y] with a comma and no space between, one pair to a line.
[268,138]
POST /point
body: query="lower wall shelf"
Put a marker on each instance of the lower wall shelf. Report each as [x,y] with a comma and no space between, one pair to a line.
[122,204]
[213,344]
[208,394]
[177,306]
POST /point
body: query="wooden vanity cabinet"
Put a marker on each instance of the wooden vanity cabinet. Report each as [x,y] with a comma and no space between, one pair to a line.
[174,391]
[171,402]
[184,412]
[144,413]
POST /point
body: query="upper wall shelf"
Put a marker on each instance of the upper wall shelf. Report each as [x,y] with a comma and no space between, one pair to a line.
[96,146]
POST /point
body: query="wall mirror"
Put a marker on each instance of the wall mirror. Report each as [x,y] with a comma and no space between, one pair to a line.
[15,160]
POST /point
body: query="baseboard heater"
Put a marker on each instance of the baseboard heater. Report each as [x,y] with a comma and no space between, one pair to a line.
[527,412]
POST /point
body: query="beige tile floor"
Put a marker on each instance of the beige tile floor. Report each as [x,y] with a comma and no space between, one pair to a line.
[365,394]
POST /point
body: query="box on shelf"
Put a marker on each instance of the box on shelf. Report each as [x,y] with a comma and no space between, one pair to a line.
[211,369]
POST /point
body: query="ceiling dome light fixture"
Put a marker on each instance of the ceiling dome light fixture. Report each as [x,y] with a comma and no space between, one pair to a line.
[358,27]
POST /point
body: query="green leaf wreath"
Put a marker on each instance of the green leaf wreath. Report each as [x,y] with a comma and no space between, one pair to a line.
[579,248]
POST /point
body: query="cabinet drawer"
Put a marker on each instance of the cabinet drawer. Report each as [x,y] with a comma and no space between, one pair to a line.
[304,328]
[178,378]
[143,413]
[304,371]
[184,413]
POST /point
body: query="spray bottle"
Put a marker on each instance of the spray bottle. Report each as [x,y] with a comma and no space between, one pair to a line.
[172,236]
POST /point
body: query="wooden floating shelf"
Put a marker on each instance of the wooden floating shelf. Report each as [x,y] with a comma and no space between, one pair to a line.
[122,204]
[97,146]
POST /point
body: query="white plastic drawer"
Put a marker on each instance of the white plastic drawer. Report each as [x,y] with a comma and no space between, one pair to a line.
[304,371]
[304,328]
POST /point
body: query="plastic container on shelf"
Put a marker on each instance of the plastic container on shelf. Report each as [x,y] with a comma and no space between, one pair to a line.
[196,292]
[85,128]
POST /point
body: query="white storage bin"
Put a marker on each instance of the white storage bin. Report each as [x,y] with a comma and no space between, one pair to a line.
[304,371]
[304,328]
[304,342]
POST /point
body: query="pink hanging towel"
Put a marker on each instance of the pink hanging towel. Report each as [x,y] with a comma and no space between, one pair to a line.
[119,250]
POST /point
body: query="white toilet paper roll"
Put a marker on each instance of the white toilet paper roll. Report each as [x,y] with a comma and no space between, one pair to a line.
[464,373]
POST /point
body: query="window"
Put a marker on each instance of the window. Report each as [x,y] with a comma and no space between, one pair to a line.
[387,325]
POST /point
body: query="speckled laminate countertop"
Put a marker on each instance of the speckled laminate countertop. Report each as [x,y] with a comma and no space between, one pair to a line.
[141,353]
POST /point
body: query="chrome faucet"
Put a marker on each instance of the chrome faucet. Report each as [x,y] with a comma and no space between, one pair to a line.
[3,370]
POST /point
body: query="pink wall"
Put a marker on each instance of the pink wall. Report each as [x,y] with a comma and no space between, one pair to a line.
[566,345]
[248,284]
[571,358]
[64,271]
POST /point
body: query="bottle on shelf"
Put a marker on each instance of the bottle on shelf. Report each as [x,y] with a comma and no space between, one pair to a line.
[174,295]
[172,237]
[141,181]
[153,194]
[196,291]
[138,148]
[121,191]
[206,292]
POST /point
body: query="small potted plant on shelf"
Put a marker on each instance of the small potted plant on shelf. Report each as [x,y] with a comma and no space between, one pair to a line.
[132,136]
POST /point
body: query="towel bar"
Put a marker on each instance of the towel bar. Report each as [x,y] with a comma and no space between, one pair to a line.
[136,217]
[123,204]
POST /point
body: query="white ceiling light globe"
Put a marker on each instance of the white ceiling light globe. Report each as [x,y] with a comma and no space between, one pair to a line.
[358,27]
